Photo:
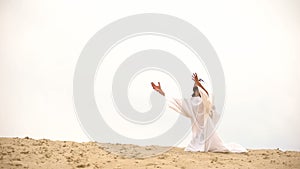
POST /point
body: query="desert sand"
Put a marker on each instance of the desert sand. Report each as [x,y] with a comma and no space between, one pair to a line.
[44,153]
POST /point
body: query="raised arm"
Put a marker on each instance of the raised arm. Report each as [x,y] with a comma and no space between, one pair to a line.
[158,88]
[196,80]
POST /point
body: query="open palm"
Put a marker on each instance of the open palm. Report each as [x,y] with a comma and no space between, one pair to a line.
[157,88]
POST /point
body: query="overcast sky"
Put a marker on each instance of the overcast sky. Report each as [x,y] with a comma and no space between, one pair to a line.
[257,43]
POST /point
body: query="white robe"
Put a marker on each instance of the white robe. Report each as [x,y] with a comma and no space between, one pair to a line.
[203,119]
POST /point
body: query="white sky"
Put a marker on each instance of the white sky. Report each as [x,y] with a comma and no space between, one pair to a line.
[256,41]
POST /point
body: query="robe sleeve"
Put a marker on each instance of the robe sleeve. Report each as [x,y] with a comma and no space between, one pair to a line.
[178,105]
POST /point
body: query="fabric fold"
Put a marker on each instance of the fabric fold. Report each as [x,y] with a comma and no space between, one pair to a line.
[203,116]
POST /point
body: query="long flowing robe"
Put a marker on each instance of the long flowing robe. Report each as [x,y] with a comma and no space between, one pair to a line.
[203,117]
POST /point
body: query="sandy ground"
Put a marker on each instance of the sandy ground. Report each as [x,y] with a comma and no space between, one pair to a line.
[30,153]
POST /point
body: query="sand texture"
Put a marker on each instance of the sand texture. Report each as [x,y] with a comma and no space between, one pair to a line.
[31,153]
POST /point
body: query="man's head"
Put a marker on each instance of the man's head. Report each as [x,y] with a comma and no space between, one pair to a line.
[196,92]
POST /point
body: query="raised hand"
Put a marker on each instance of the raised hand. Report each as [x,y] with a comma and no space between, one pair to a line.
[195,79]
[157,88]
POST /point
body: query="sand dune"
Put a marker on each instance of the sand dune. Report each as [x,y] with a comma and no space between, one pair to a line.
[30,153]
